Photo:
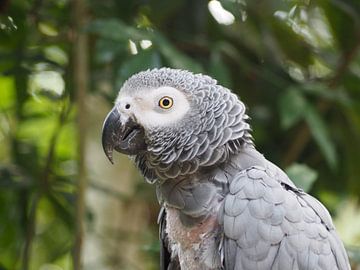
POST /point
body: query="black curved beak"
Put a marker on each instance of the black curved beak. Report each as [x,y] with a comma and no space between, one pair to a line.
[127,138]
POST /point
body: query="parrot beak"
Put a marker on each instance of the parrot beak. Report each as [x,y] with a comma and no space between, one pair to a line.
[127,138]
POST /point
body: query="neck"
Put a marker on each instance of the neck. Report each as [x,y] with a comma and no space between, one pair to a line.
[187,162]
[199,195]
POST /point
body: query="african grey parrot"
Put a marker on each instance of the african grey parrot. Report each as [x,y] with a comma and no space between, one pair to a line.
[224,206]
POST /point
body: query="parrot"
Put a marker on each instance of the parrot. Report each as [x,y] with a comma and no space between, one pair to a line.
[223,204]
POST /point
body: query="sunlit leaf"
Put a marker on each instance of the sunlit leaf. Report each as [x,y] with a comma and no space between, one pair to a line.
[67,145]
[7,93]
[56,54]
[47,29]
[47,83]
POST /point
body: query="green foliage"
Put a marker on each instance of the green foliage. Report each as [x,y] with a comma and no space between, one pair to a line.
[302,175]
[296,64]
[294,107]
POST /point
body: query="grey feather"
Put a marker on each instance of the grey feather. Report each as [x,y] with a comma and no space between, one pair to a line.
[300,246]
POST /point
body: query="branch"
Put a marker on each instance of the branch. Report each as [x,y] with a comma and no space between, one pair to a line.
[80,57]
[30,232]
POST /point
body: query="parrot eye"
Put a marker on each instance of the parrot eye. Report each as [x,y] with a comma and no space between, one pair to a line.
[166,102]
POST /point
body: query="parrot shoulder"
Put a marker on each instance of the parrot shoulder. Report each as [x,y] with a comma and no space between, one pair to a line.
[269,223]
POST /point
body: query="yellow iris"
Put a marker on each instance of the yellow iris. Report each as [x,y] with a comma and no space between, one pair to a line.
[166,102]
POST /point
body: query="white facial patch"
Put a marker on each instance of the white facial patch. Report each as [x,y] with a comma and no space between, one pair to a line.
[144,105]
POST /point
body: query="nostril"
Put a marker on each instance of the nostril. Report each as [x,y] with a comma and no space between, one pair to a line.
[127,106]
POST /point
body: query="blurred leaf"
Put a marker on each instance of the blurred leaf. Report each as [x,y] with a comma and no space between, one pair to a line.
[343,17]
[47,83]
[116,30]
[320,132]
[338,95]
[276,53]
[47,29]
[347,221]
[218,70]
[67,144]
[354,253]
[302,175]
[294,107]
[291,106]
[175,58]
[292,45]
[56,54]
[60,205]
[152,247]
[7,96]
[107,50]
[51,223]
[29,131]
[136,63]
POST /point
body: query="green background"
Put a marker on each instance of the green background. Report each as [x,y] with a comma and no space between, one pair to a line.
[296,64]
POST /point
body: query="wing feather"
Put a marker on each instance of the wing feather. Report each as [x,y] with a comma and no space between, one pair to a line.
[268,223]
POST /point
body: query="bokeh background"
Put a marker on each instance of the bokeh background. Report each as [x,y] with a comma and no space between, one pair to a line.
[296,64]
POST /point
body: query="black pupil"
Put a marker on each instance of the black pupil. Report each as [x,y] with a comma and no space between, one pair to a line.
[166,102]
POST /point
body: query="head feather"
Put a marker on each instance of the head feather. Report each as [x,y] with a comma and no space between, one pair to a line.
[215,128]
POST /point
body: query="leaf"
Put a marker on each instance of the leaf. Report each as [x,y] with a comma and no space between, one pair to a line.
[338,95]
[47,29]
[321,135]
[218,70]
[343,18]
[66,146]
[291,44]
[353,252]
[175,58]
[292,105]
[28,132]
[11,227]
[136,63]
[7,95]
[107,50]
[347,222]
[302,175]
[48,84]
[117,30]
[56,54]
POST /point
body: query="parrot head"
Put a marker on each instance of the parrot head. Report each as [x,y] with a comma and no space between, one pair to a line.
[173,122]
